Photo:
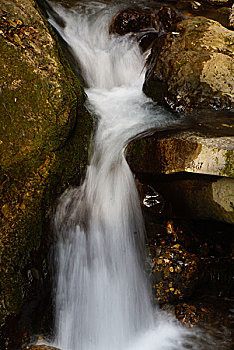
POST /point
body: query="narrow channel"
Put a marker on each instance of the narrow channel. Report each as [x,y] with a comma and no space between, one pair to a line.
[103,298]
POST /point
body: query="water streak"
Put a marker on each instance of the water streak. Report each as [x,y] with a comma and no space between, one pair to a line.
[102,294]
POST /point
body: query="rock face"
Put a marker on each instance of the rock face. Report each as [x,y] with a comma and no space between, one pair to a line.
[44,137]
[191,153]
[194,69]
[200,197]
[183,152]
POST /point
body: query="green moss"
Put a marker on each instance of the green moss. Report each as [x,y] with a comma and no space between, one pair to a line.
[44,138]
[229,165]
[29,123]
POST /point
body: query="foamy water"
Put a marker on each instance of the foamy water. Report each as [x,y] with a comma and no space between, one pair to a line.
[103,298]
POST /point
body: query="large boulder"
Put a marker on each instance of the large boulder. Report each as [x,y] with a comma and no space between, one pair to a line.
[146,23]
[132,20]
[192,67]
[44,138]
[204,186]
[186,151]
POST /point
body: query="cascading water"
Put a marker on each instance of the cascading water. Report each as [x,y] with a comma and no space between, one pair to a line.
[102,294]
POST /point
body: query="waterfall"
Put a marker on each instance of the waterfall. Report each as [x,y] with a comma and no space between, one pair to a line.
[103,300]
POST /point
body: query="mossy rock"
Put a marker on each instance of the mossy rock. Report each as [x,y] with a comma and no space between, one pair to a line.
[192,68]
[44,137]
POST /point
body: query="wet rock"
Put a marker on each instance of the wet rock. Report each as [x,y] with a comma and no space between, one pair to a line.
[42,347]
[197,4]
[147,23]
[199,197]
[208,242]
[183,152]
[133,20]
[218,276]
[175,273]
[189,315]
[44,138]
[150,199]
[231,19]
[190,152]
[217,2]
[204,238]
[160,235]
[192,70]
[168,17]
[146,38]
[210,313]
[169,233]
[199,8]
[189,5]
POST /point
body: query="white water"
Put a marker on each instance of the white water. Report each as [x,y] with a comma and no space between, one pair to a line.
[102,294]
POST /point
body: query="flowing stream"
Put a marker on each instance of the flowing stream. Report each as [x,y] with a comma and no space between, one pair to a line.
[103,299]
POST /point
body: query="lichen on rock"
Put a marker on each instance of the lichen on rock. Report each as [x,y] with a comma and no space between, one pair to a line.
[44,140]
